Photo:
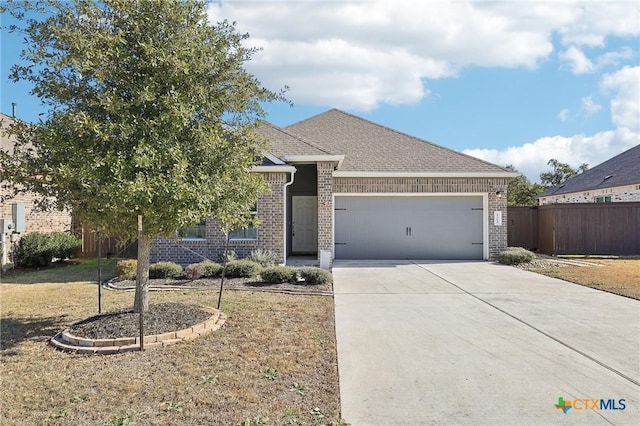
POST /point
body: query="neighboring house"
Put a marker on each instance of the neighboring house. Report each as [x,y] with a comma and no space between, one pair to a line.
[615,180]
[357,190]
[35,220]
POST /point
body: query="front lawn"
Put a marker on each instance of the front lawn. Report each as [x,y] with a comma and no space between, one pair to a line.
[274,361]
[619,276]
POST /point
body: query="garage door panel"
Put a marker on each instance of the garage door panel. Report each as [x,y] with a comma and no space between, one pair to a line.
[388,227]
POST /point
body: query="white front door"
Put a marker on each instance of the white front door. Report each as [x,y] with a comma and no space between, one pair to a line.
[304,224]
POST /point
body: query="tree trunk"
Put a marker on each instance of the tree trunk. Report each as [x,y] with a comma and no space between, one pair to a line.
[142,277]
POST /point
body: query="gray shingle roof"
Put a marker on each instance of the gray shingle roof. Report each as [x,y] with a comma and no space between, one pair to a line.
[370,147]
[281,142]
[623,169]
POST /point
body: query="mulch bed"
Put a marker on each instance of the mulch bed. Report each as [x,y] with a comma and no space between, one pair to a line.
[229,284]
[160,318]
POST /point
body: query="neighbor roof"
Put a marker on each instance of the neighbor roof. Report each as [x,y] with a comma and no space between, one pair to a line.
[370,147]
[621,170]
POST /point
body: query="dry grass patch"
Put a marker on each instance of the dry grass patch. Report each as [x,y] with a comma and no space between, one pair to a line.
[275,359]
[619,276]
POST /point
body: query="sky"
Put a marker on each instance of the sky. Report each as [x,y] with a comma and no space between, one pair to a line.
[510,82]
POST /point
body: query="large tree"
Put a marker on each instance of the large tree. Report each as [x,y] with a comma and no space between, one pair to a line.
[151,113]
[560,173]
[521,191]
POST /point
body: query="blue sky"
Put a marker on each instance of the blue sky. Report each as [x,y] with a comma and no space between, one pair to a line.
[510,82]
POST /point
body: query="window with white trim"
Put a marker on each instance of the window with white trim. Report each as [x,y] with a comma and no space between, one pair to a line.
[603,199]
[194,232]
[248,233]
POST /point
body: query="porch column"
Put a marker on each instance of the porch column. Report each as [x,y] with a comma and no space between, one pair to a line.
[325,207]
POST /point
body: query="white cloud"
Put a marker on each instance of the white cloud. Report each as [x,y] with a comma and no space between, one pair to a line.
[361,54]
[531,158]
[589,107]
[577,61]
[625,103]
[563,115]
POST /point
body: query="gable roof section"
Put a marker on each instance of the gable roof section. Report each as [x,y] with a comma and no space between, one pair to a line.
[282,143]
[621,170]
[371,148]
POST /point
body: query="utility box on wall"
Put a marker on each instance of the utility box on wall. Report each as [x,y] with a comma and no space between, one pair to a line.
[19,224]
[6,227]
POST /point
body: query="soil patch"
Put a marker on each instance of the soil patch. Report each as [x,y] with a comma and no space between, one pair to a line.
[160,318]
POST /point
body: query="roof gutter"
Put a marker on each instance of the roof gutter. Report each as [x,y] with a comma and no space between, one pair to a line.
[426,175]
[314,159]
[274,169]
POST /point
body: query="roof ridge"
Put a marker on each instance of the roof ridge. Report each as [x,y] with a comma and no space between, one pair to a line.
[298,137]
[400,133]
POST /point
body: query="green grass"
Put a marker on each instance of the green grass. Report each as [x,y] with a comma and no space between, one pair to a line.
[76,270]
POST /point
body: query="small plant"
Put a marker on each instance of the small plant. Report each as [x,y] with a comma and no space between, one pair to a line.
[279,274]
[263,257]
[256,421]
[314,276]
[318,417]
[270,373]
[127,269]
[126,420]
[164,270]
[79,398]
[207,379]
[230,256]
[297,387]
[242,269]
[59,412]
[515,256]
[173,407]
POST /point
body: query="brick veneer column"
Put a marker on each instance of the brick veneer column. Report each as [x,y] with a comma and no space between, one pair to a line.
[497,234]
[325,207]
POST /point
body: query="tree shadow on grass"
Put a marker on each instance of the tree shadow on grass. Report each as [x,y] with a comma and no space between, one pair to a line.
[13,331]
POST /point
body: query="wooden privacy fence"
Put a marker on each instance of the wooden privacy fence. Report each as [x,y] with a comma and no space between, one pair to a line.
[111,247]
[589,228]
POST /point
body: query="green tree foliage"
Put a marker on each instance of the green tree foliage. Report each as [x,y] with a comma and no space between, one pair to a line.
[522,192]
[151,113]
[560,173]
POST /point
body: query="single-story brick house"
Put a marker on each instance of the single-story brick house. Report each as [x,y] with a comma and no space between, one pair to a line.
[614,181]
[358,190]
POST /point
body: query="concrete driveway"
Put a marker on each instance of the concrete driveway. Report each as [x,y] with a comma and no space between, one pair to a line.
[480,343]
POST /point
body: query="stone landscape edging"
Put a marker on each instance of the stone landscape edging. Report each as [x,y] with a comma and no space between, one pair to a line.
[67,342]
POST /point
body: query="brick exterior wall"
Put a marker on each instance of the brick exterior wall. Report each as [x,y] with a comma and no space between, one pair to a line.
[271,232]
[325,207]
[35,220]
[497,234]
[619,194]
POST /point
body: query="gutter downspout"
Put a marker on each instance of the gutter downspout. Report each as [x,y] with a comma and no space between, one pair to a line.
[284,217]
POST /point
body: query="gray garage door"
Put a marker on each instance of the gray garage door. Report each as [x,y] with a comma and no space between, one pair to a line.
[388,227]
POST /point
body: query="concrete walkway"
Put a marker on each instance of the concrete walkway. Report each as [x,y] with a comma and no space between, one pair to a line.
[481,343]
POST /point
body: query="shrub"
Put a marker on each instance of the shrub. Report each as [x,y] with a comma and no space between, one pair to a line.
[64,245]
[194,271]
[204,269]
[34,249]
[515,256]
[279,274]
[263,257]
[164,270]
[312,275]
[211,269]
[242,269]
[127,269]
